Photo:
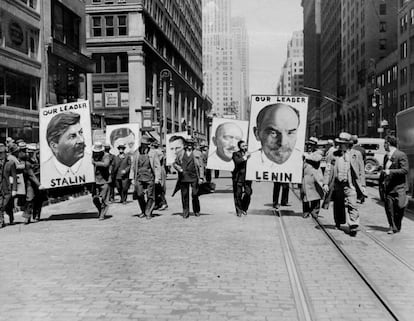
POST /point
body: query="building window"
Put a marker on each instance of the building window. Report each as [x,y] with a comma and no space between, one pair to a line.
[403,101]
[403,50]
[382,9]
[111,95]
[383,26]
[383,44]
[109,26]
[111,63]
[403,76]
[65,25]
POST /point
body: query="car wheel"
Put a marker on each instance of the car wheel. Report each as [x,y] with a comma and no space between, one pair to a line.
[370,166]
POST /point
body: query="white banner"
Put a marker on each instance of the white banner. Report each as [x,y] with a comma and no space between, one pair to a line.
[277,138]
[65,139]
[224,137]
[174,144]
[123,134]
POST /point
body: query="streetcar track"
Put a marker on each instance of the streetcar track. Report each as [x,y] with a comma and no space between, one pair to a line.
[371,285]
[303,305]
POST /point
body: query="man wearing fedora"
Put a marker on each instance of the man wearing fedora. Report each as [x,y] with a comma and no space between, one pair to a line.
[345,177]
[122,166]
[190,167]
[145,174]
[8,185]
[161,186]
[100,193]
[395,183]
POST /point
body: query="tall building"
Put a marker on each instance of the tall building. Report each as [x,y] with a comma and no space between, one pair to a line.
[368,35]
[312,61]
[330,67]
[406,54]
[241,46]
[222,65]
[291,78]
[42,61]
[147,51]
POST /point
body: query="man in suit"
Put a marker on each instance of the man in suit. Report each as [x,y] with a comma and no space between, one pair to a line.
[122,166]
[395,183]
[190,167]
[347,179]
[145,174]
[242,189]
[8,185]
[101,162]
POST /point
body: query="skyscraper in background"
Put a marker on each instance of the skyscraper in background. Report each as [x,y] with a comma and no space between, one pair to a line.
[291,79]
[225,59]
[241,46]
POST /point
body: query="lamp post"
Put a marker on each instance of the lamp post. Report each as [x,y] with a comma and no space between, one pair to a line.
[165,75]
[377,91]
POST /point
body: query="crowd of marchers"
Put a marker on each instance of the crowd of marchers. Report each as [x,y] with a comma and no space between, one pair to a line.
[332,173]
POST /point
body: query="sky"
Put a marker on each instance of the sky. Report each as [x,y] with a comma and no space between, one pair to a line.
[270,25]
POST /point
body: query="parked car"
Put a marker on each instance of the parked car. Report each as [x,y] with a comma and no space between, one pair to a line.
[375,152]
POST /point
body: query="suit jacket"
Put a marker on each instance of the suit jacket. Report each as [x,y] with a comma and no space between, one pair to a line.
[122,164]
[198,162]
[154,162]
[31,181]
[311,189]
[8,178]
[239,171]
[357,174]
[396,181]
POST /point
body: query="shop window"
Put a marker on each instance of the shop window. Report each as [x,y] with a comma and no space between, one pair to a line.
[18,89]
[114,95]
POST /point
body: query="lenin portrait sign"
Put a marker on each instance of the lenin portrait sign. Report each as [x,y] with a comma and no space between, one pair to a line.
[65,139]
[276,138]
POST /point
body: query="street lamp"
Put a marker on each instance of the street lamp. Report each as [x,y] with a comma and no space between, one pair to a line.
[377,92]
[165,75]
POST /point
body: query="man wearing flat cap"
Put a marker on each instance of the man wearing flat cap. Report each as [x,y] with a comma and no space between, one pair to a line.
[190,167]
[346,178]
[145,174]
[122,167]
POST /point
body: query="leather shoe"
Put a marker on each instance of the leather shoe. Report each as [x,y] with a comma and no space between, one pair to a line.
[197,214]
[244,212]
[141,215]
[149,217]
[163,207]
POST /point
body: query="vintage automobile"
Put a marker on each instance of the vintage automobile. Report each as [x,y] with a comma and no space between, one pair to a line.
[375,152]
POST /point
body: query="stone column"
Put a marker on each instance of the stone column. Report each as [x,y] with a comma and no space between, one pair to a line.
[186,109]
[180,111]
[136,79]
[173,111]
